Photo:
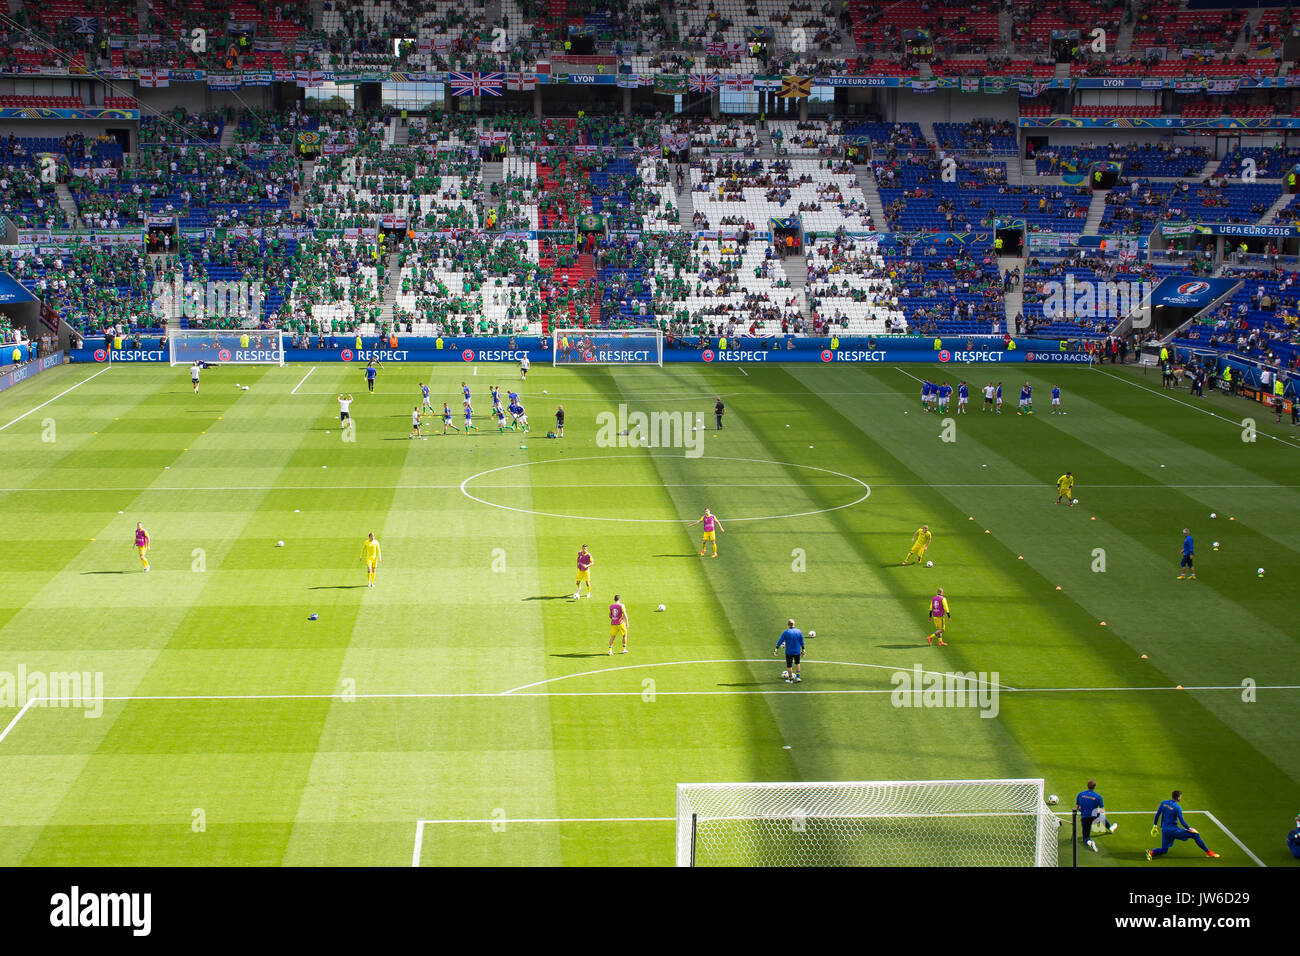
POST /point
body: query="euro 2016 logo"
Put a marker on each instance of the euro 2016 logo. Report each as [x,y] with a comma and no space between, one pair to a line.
[1193,288]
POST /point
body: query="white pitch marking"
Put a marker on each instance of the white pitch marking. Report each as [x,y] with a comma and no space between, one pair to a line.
[303,379]
[19,716]
[742,371]
[1195,408]
[421,824]
[56,397]
[748,660]
[1233,837]
[79,489]
[760,461]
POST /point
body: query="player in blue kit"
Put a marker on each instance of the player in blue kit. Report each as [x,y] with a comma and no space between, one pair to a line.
[963,394]
[517,413]
[945,392]
[500,415]
[469,418]
[998,399]
[465,389]
[1187,566]
[1056,401]
[446,419]
[1092,813]
[1026,400]
[1172,826]
[792,639]
[496,397]
[426,404]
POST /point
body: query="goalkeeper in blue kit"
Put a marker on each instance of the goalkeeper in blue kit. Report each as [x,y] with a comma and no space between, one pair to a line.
[1171,825]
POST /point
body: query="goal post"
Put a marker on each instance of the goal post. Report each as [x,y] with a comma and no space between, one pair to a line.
[874,823]
[238,347]
[607,347]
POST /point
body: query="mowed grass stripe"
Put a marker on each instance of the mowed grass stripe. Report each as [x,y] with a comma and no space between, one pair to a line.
[1185,639]
[214,614]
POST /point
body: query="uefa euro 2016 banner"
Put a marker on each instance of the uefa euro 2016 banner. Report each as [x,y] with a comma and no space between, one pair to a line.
[859,350]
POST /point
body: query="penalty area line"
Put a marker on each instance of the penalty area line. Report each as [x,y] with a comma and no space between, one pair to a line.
[17,717]
[54,399]
[303,379]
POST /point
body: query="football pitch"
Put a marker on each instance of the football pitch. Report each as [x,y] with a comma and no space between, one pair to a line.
[465,711]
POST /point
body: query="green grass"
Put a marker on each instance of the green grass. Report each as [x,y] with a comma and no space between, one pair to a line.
[238,732]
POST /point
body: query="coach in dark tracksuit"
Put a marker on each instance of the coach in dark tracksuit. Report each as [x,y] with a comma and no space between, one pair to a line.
[718,409]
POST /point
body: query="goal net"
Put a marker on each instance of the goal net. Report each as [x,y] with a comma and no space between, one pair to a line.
[607,347]
[879,823]
[252,347]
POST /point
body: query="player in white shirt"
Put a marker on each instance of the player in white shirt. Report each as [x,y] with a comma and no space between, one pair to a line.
[523,367]
[345,407]
[194,375]
[415,423]
[988,397]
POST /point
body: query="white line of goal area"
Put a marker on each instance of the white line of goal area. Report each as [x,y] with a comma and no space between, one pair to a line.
[55,398]
[506,821]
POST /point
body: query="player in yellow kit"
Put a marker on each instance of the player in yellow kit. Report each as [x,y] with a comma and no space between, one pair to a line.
[370,554]
[920,542]
[1065,489]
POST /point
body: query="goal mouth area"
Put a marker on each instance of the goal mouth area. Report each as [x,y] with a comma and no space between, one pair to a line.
[867,823]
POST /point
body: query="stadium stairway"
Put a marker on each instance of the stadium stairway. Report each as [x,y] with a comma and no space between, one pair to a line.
[493,175]
[1015,173]
[1006,28]
[228,135]
[877,208]
[1124,39]
[796,270]
[1253,16]
[298,202]
[68,205]
[1096,210]
[1014,299]
[1281,202]
[685,204]
[392,286]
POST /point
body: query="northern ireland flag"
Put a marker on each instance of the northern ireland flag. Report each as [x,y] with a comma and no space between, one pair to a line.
[155,79]
[309,79]
[737,83]
[521,81]
[476,84]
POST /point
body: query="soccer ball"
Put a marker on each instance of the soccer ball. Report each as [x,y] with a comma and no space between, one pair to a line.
[279,544]
[575,595]
[812,633]
[1052,799]
[929,564]
[661,608]
[1076,501]
[1260,572]
[785,675]
[1215,546]
[1213,515]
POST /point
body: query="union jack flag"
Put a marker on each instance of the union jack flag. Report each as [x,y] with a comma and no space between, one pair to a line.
[704,82]
[476,84]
